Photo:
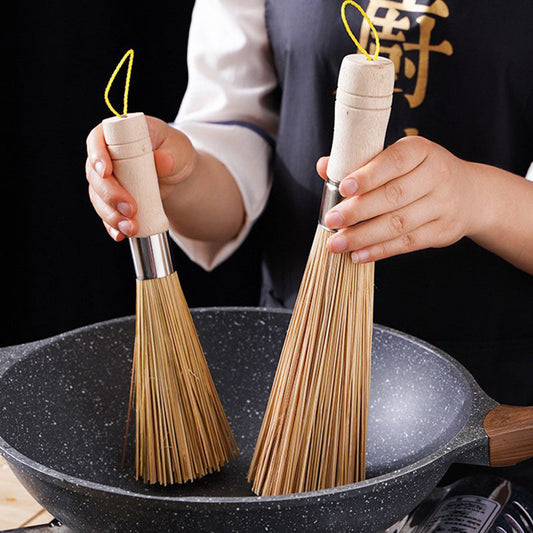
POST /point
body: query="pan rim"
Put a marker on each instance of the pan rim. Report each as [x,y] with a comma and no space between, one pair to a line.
[446,453]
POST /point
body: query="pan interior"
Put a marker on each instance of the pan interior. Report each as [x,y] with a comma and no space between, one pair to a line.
[64,406]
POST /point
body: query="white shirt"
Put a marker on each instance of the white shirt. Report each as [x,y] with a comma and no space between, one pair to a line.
[227,110]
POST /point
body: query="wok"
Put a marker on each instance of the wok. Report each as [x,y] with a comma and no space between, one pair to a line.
[63,407]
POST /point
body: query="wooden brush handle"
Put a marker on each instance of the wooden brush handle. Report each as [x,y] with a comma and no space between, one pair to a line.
[510,431]
[130,147]
[362,109]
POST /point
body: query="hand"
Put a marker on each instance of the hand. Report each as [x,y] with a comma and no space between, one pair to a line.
[413,195]
[175,159]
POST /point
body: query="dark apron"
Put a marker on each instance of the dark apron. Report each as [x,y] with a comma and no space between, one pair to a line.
[474,101]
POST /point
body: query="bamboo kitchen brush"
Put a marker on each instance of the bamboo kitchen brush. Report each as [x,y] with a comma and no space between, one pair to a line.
[181,430]
[313,434]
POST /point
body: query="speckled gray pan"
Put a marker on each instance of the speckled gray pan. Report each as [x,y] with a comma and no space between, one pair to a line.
[63,407]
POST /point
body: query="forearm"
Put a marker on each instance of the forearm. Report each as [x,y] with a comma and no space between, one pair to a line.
[504,224]
[207,205]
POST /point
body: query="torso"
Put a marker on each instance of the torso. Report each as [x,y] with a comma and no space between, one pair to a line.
[464,77]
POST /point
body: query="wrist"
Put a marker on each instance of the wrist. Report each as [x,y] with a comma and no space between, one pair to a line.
[484,205]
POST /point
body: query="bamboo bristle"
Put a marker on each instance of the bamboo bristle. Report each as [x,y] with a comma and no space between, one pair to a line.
[182,432]
[313,434]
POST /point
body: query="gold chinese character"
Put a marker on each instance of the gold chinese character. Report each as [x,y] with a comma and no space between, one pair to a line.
[424,48]
[394,20]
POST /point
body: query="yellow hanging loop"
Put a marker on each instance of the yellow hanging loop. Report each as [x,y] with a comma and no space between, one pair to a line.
[129,54]
[350,33]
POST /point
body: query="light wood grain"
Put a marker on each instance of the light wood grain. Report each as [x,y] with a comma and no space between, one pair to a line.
[362,109]
[17,507]
[130,148]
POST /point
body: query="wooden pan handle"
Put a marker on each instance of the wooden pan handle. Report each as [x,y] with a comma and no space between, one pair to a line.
[130,147]
[510,431]
[362,109]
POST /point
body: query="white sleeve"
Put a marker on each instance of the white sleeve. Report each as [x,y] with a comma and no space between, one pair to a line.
[529,174]
[228,109]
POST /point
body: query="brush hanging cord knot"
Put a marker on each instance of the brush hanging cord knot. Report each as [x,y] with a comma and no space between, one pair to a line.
[128,54]
[350,33]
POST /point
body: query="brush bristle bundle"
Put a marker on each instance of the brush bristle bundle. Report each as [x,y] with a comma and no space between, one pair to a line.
[182,432]
[313,434]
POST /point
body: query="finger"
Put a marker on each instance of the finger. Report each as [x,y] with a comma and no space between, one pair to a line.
[111,192]
[97,153]
[419,239]
[114,234]
[322,167]
[385,227]
[396,160]
[112,217]
[391,196]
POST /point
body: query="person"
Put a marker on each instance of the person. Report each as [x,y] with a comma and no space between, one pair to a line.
[444,209]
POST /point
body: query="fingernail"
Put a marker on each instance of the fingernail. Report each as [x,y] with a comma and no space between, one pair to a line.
[100,168]
[348,187]
[337,244]
[334,219]
[124,209]
[114,233]
[125,227]
[360,256]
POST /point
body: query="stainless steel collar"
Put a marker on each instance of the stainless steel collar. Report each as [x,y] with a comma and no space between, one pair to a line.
[151,256]
[330,198]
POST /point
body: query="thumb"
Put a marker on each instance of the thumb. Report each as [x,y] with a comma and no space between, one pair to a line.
[174,154]
[175,157]
[164,163]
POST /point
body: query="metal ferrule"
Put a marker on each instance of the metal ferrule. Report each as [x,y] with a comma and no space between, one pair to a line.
[330,198]
[151,256]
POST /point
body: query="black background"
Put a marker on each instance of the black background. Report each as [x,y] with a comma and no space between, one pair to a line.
[60,269]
